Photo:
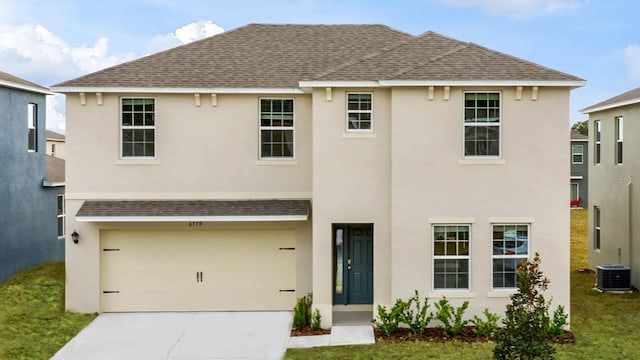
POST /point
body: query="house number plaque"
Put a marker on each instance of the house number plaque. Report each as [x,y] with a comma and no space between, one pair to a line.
[195,223]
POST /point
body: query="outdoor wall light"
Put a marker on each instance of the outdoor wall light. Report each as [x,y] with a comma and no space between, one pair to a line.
[74,237]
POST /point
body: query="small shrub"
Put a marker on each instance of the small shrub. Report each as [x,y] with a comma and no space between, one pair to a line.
[388,321]
[302,312]
[525,333]
[486,327]
[414,314]
[557,323]
[450,317]
[315,320]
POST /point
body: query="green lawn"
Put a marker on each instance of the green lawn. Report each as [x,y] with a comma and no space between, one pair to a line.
[605,325]
[33,323]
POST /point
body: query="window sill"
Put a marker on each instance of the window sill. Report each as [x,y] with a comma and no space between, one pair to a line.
[137,162]
[60,238]
[359,135]
[482,161]
[501,293]
[451,294]
[277,162]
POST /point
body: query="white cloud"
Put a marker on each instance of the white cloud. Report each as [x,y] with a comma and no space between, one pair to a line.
[56,113]
[632,61]
[520,9]
[184,35]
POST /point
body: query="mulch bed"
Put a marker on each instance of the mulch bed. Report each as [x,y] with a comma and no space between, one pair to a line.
[434,334]
[309,332]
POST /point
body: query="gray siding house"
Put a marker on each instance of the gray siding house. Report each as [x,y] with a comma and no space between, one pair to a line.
[614,184]
[32,205]
[579,170]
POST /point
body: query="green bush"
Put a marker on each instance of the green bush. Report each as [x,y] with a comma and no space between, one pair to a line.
[486,327]
[388,321]
[315,320]
[525,334]
[450,317]
[557,323]
[302,312]
[414,314]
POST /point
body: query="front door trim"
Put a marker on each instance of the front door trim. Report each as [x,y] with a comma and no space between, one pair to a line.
[352,249]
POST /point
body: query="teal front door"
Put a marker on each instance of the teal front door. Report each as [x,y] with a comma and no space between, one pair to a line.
[353,264]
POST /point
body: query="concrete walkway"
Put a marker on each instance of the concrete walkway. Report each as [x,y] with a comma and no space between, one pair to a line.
[340,335]
[173,336]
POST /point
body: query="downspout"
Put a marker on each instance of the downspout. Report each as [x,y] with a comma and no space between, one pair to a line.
[630,224]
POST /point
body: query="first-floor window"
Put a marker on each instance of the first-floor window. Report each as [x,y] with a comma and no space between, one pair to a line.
[575,191]
[138,124]
[276,128]
[510,248]
[451,256]
[60,215]
[596,228]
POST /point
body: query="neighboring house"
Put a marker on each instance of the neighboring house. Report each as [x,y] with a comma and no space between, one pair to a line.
[356,162]
[55,144]
[579,170]
[28,205]
[614,182]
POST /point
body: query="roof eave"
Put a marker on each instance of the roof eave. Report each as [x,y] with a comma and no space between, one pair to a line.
[597,108]
[34,89]
[389,83]
[161,90]
[247,218]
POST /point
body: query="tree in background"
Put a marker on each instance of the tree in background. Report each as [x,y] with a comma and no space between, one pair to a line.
[581,127]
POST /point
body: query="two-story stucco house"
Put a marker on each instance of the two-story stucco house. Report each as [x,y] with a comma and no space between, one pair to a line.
[55,144]
[579,181]
[356,162]
[31,206]
[614,177]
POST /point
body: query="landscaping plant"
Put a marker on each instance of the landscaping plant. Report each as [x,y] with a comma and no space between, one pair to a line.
[450,317]
[486,327]
[388,321]
[558,322]
[525,334]
[414,314]
[315,320]
[302,312]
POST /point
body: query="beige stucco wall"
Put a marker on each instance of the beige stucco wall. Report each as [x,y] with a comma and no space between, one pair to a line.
[203,152]
[59,148]
[615,189]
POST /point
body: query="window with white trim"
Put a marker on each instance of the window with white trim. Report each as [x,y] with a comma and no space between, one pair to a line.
[32,127]
[510,248]
[482,124]
[596,228]
[577,154]
[138,128]
[619,131]
[359,112]
[451,256]
[575,191]
[597,127]
[60,215]
[276,129]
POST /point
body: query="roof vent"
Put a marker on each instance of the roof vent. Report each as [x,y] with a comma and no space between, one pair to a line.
[613,277]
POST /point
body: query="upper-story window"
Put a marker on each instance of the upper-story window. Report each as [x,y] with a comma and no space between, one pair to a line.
[451,257]
[619,131]
[576,154]
[138,128]
[276,129]
[32,126]
[482,124]
[597,127]
[359,112]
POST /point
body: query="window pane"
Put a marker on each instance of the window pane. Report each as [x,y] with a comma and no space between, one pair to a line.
[61,226]
[138,127]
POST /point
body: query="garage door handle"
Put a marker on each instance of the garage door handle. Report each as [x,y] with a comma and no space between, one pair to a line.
[287,290]
[198,276]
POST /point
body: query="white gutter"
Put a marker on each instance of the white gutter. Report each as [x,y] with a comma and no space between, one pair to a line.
[161,90]
[609,106]
[191,218]
[25,87]
[389,83]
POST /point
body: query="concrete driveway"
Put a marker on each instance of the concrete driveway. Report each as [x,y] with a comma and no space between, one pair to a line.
[193,336]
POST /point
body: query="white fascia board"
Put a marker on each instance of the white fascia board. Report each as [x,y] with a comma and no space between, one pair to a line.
[190,218]
[25,87]
[610,106]
[133,90]
[387,83]
[576,177]
[338,84]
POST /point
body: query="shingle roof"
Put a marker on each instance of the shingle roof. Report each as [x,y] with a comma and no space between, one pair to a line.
[192,208]
[627,98]
[578,136]
[54,135]
[279,56]
[16,82]
[55,169]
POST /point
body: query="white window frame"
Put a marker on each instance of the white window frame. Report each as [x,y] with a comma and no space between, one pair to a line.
[61,214]
[449,257]
[514,256]
[577,190]
[597,135]
[32,125]
[139,127]
[279,128]
[596,228]
[574,153]
[619,136]
[478,124]
[370,112]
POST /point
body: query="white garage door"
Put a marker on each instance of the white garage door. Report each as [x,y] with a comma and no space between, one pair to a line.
[197,270]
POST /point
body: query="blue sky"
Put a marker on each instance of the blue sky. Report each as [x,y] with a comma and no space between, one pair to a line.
[51,41]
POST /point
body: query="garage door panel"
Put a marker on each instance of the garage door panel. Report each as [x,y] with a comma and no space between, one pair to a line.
[198,270]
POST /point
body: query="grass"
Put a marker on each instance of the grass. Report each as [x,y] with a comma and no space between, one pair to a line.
[605,325]
[33,323]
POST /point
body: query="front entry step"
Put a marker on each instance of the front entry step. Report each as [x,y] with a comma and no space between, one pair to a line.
[340,335]
[352,317]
